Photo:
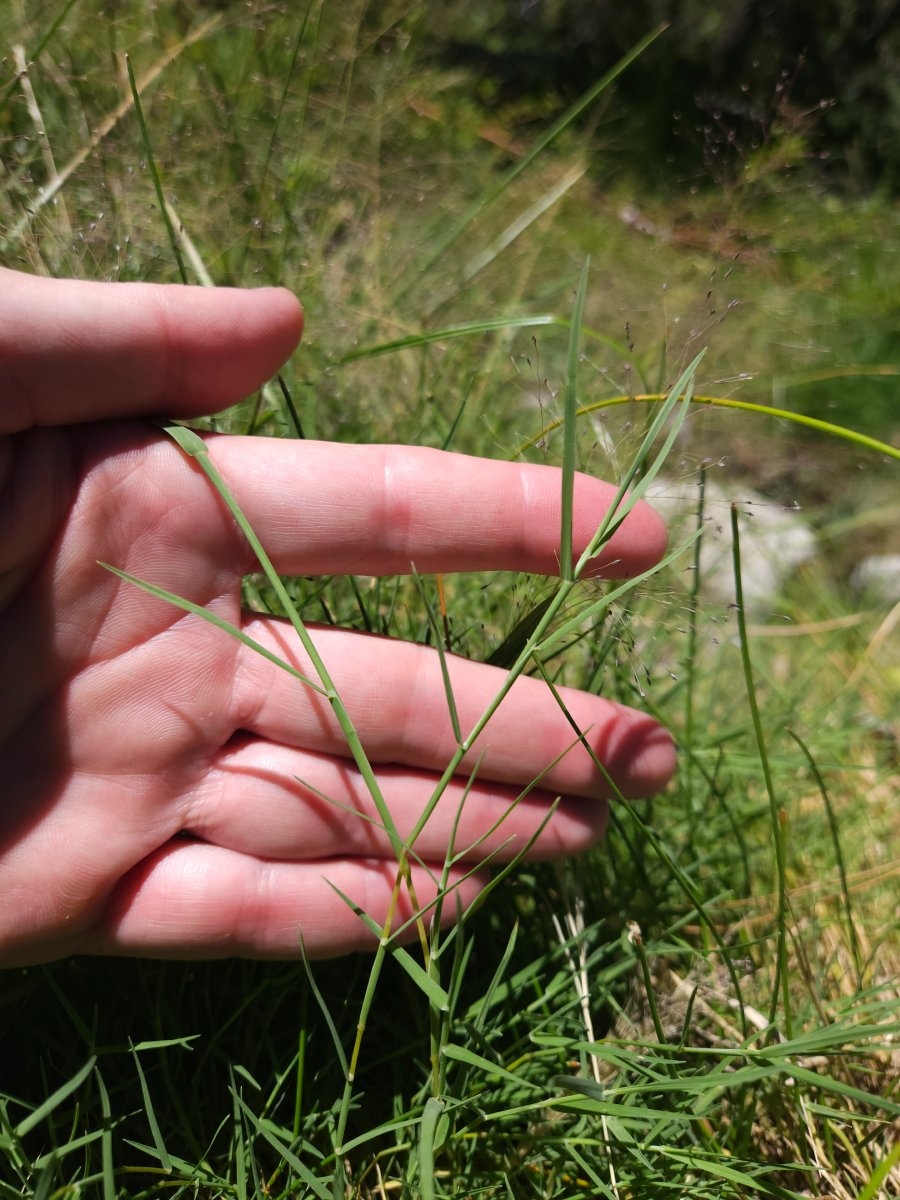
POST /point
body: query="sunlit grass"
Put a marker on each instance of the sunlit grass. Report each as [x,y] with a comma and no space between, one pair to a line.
[617,1026]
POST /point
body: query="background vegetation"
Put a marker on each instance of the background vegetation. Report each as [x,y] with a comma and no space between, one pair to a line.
[734,86]
[708,1004]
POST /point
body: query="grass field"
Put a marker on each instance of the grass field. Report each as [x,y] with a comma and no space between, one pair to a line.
[707,1005]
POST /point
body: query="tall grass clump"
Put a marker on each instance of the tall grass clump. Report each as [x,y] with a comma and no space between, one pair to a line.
[708,1003]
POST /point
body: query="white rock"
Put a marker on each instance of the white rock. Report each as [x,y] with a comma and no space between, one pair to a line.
[878,578]
[774,539]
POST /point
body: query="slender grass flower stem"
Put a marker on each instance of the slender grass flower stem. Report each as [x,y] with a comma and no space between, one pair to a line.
[692,633]
[570,428]
[154,172]
[776,812]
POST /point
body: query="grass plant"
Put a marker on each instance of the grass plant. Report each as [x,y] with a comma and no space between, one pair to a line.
[709,1004]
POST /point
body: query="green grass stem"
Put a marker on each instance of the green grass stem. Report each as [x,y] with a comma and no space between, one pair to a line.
[852,932]
[569,428]
[778,816]
[174,240]
[762,410]
[690,658]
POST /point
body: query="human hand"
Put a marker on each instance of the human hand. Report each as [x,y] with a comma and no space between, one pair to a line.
[151,764]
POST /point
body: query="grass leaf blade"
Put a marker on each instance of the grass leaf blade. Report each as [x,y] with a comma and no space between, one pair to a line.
[53,1102]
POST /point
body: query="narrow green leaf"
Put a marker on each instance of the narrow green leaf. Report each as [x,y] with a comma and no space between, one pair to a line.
[437,996]
[52,1102]
[391,1128]
[189,441]
[318,1186]
[601,1188]
[155,1133]
[58,1153]
[197,448]
[568,628]
[239,1146]
[106,1147]
[720,1168]
[448,334]
[192,1172]
[639,474]
[324,1009]
[484,1005]
[438,636]
[166,1043]
[823,1082]
[213,619]
[635,1116]
[464,1055]
[434,1108]
[872,1186]
[46,1180]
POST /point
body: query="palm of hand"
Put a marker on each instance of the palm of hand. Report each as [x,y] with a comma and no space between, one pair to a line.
[171,792]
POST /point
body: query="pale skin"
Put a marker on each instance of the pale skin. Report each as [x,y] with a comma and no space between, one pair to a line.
[151,765]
